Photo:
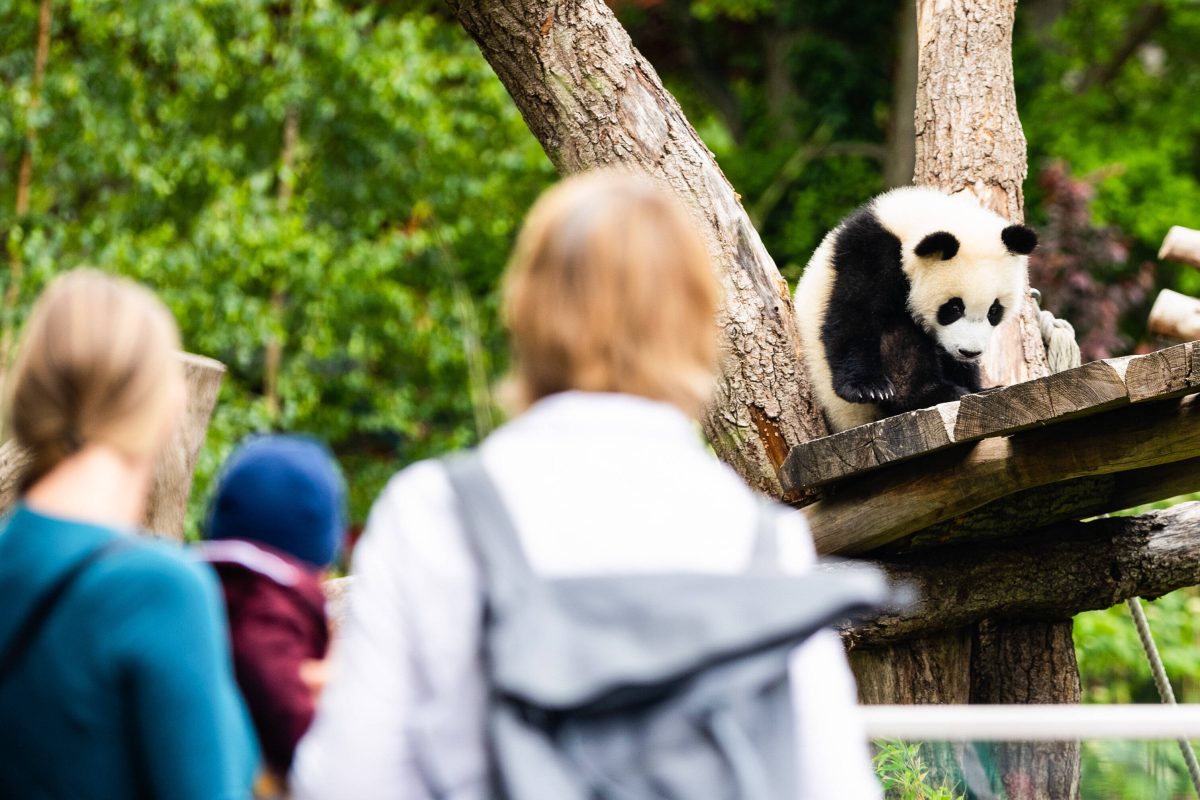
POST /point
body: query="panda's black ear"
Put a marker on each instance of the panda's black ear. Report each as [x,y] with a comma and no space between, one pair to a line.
[940,242]
[1019,240]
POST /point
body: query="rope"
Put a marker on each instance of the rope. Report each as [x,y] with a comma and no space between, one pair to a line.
[1062,352]
[1165,692]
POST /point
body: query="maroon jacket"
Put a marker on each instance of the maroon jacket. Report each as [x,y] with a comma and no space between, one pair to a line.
[276,622]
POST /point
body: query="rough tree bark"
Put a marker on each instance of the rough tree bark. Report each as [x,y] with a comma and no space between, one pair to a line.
[592,100]
[969,138]
[1049,574]
[166,509]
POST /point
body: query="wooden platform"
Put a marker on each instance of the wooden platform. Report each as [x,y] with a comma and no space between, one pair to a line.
[1104,436]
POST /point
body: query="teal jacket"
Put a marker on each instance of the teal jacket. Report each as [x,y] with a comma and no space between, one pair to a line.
[127,691]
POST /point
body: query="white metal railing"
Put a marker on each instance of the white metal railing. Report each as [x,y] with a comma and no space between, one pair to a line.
[1016,723]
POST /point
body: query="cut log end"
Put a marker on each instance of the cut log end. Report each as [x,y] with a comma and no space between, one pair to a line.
[1181,244]
[1175,316]
[172,484]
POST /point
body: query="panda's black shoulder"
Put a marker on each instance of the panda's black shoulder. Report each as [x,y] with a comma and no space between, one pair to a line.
[863,245]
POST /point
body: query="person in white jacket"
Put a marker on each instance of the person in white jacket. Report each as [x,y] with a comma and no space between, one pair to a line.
[610,300]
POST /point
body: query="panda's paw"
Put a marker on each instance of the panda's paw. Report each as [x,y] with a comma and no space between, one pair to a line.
[873,390]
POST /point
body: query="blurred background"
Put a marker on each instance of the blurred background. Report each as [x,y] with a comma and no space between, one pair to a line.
[325,192]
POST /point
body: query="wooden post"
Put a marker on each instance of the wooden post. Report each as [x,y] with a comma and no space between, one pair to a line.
[167,506]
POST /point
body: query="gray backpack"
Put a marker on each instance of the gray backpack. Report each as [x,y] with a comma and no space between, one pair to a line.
[634,686]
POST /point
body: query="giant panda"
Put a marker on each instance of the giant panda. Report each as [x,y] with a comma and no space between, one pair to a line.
[899,303]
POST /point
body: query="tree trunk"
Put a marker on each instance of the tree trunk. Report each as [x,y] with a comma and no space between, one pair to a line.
[969,138]
[1181,244]
[901,140]
[592,100]
[1029,662]
[166,509]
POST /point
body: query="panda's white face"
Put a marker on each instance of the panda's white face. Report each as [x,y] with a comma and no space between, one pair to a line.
[961,302]
[967,275]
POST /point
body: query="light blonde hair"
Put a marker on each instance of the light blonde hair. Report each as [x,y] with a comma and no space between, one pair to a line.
[96,365]
[611,289]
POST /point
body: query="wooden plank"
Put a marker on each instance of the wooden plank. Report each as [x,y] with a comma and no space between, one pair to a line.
[166,508]
[1087,389]
[1163,373]
[1054,503]
[875,509]
[1090,389]
[869,446]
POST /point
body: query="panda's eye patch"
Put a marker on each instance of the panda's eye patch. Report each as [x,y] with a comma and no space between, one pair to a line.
[951,311]
[995,313]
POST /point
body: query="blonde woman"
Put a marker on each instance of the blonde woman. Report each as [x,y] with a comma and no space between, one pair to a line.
[115,679]
[610,299]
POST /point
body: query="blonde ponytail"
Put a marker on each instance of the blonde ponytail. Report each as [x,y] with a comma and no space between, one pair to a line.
[96,365]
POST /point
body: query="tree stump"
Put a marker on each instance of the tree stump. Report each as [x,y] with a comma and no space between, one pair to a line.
[166,508]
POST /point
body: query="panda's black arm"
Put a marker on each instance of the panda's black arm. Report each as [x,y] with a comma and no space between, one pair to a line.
[855,363]
[966,376]
[869,297]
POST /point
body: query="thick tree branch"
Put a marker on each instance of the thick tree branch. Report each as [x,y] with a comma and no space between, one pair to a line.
[1051,575]
[592,100]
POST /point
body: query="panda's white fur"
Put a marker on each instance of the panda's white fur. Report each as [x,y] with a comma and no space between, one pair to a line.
[811,299]
[983,271]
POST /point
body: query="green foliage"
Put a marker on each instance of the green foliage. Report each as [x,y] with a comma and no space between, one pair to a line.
[768,85]
[1131,770]
[905,773]
[161,156]
[1113,669]
[1128,124]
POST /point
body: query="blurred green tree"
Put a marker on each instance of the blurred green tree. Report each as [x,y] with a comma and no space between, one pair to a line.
[322,178]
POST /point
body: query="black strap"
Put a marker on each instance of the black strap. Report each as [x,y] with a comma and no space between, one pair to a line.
[27,632]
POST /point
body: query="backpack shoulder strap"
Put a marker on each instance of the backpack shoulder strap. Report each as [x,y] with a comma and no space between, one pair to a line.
[28,630]
[764,558]
[489,530]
